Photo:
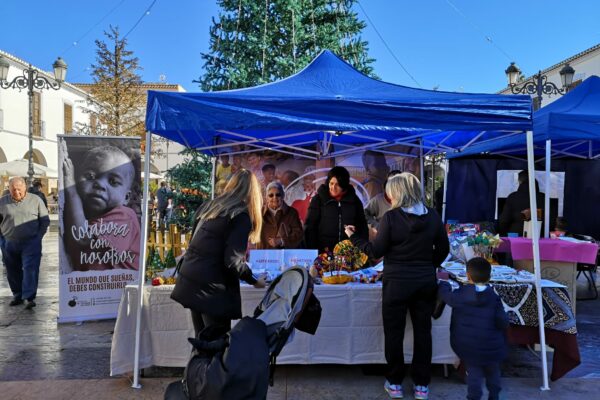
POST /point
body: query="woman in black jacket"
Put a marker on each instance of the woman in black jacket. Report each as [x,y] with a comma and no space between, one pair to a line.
[208,282]
[413,242]
[335,205]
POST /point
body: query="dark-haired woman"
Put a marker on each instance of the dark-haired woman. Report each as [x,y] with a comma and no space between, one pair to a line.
[335,205]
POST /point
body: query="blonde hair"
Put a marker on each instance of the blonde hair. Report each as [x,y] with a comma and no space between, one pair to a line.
[404,189]
[242,194]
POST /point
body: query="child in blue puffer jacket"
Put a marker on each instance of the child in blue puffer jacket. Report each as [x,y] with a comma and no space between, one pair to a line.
[478,328]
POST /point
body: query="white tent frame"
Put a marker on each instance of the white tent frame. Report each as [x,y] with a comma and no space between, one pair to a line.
[418,141]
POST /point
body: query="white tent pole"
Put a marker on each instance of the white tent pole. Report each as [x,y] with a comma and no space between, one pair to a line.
[142,265]
[212,177]
[422,168]
[536,256]
[548,186]
[445,190]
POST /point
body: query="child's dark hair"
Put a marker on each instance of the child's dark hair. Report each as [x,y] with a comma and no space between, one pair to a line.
[561,224]
[479,269]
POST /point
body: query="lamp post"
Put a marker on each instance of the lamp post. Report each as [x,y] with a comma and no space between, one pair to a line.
[538,84]
[31,79]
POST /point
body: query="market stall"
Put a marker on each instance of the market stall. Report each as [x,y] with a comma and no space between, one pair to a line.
[517,291]
[350,331]
[326,110]
[558,259]
[566,138]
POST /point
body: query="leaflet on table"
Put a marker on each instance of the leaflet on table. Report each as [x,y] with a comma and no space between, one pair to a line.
[500,273]
[273,262]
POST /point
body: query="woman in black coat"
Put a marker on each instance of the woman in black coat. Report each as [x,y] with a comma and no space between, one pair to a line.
[413,242]
[208,282]
[335,205]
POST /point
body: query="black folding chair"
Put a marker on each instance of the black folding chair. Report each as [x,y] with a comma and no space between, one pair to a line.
[588,270]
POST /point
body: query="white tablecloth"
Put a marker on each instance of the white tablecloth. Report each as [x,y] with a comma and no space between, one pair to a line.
[350,331]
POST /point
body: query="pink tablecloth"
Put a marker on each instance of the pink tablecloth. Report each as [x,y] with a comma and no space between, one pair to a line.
[550,250]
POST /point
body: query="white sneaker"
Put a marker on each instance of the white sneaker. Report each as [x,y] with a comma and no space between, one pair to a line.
[394,391]
[421,392]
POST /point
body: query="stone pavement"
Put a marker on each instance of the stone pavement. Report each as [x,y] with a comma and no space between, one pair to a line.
[40,359]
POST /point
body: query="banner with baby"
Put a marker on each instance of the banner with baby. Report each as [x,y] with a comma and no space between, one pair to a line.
[100,197]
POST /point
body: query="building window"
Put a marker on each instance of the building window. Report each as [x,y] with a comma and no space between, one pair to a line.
[68,118]
[37,114]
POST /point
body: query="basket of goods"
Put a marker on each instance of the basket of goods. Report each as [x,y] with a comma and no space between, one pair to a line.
[336,267]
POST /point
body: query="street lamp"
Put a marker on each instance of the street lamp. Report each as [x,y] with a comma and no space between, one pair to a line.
[30,80]
[539,83]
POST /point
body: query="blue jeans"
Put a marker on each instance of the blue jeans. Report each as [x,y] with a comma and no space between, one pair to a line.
[22,260]
[476,374]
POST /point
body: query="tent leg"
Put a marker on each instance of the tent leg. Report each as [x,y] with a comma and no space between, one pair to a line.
[213,177]
[422,169]
[142,266]
[445,190]
[536,258]
[548,187]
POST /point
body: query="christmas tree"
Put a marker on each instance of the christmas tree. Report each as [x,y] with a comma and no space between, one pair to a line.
[254,42]
[170,259]
[156,265]
[192,182]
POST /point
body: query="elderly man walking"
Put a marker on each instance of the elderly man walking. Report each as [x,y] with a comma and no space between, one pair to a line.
[23,222]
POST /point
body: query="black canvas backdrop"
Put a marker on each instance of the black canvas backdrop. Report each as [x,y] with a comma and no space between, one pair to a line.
[471,192]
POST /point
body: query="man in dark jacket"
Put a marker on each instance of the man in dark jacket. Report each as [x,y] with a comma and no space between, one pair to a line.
[162,202]
[335,205]
[477,330]
[511,219]
[36,189]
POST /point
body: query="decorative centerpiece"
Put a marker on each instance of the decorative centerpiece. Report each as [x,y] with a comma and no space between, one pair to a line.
[483,244]
[335,267]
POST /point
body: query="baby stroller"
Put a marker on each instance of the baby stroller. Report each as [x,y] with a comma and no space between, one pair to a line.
[240,364]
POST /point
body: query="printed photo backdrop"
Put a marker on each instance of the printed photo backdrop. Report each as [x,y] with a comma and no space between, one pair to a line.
[301,177]
[100,195]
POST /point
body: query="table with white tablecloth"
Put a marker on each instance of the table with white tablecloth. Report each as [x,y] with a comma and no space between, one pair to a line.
[350,331]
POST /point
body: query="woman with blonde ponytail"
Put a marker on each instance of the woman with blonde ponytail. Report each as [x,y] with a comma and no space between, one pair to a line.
[208,281]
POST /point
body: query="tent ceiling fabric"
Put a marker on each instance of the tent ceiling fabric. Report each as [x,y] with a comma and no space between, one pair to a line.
[329,101]
[572,122]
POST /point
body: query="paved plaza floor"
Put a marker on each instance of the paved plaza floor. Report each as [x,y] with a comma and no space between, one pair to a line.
[40,359]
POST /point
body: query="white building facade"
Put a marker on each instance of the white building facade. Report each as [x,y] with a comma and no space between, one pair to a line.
[54,112]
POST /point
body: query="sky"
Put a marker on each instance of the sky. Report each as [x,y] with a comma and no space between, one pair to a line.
[451,45]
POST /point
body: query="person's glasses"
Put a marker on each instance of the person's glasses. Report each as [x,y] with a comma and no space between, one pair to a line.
[274,194]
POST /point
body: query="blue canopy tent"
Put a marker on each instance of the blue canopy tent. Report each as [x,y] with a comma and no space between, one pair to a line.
[329,109]
[568,127]
[330,103]
[572,122]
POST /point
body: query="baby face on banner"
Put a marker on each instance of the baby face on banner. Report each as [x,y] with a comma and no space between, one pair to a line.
[105,180]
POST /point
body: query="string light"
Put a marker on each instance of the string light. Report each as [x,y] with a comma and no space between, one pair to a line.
[146,13]
[486,37]
[76,42]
